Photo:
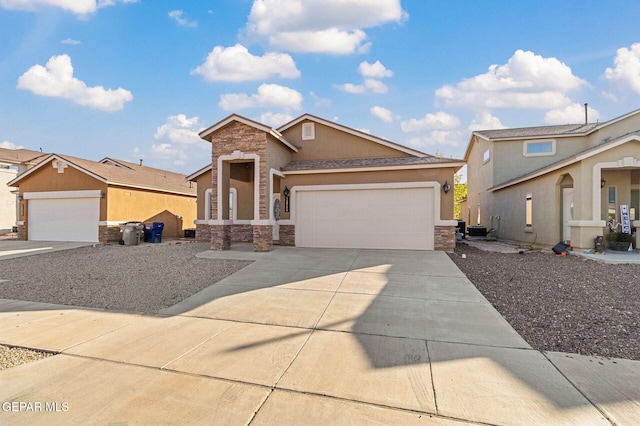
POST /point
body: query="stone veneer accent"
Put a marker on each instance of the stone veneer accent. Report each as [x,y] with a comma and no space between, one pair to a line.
[22,232]
[262,237]
[108,234]
[220,237]
[287,235]
[445,238]
[203,232]
[241,233]
[240,137]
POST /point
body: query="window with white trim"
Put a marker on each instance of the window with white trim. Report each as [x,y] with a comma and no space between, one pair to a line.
[612,213]
[486,156]
[528,211]
[208,203]
[539,148]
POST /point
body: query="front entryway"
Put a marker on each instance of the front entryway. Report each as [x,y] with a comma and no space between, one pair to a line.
[567,212]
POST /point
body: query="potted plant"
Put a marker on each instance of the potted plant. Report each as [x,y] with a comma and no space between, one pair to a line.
[619,241]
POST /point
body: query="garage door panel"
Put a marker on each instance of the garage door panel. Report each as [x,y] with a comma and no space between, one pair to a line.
[68,219]
[401,218]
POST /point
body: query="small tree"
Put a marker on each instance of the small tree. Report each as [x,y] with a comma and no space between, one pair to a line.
[459,193]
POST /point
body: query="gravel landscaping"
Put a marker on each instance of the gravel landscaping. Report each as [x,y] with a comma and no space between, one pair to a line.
[12,357]
[566,304]
[142,279]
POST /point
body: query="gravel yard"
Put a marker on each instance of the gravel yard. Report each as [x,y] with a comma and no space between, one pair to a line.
[143,279]
[12,357]
[565,304]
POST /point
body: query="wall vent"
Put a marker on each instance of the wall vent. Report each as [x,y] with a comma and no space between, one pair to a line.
[308,131]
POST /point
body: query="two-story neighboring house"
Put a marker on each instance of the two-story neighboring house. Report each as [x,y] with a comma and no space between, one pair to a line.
[12,163]
[551,183]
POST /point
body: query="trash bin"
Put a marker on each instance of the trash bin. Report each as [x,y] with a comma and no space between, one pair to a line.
[462,228]
[156,232]
[131,233]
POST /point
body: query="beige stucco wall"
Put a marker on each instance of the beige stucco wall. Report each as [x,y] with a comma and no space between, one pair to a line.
[203,182]
[132,205]
[330,143]
[439,175]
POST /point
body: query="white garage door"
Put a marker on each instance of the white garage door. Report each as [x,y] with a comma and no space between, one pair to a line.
[68,219]
[394,218]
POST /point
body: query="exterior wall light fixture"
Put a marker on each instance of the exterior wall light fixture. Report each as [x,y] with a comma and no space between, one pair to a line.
[446,187]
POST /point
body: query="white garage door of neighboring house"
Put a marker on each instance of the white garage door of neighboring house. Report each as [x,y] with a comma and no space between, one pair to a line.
[64,219]
[381,217]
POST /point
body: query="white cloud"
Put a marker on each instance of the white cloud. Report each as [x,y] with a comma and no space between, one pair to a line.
[328,26]
[627,68]
[178,16]
[180,129]
[571,114]
[56,80]
[78,7]
[438,121]
[525,81]
[438,138]
[235,63]
[70,41]
[369,85]
[275,119]
[10,145]
[268,96]
[167,152]
[382,113]
[485,121]
[375,70]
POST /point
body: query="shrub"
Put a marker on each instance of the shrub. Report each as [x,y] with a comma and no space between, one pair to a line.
[619,237]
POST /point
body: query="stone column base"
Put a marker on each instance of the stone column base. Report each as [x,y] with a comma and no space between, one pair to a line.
[220,237]
[203,232]
[287,235]
[107,234]
[22,232]
[262,238]
[444,238]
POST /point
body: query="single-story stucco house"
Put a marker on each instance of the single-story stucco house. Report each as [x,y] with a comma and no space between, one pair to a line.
[64,198]
[554,183]
[316,183]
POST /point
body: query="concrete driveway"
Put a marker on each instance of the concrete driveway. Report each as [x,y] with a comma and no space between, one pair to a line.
[10,249]
[308,336]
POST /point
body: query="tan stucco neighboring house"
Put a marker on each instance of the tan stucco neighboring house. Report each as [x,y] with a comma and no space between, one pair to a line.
[65,198]
[316,183]
[12,163]
[554,183]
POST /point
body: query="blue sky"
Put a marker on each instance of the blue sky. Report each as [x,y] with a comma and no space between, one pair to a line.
[138,79]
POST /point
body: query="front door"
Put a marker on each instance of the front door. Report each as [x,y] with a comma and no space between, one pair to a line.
[567,212]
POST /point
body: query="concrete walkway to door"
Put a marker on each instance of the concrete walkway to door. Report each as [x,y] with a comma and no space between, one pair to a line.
[308,336]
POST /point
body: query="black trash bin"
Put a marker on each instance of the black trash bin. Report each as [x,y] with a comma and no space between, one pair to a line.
[462,228]
[156,232]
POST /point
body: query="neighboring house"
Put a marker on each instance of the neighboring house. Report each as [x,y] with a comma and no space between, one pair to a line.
[64,198]
[547,184]
[335,187]
[12,163]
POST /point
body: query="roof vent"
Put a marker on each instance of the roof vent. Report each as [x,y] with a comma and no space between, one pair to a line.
[308,131]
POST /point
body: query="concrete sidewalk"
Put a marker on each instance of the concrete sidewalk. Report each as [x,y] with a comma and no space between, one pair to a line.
[308,336]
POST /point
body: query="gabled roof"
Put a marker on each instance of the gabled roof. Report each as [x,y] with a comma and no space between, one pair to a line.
[193,176]
[132,175]
[537,132]
[558,131]
[582,155]
[385,162]
[381,141]
[20,156]
[240,119]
